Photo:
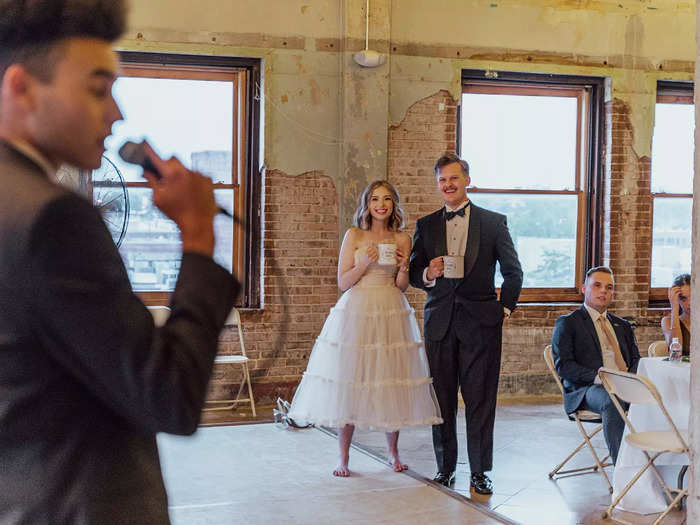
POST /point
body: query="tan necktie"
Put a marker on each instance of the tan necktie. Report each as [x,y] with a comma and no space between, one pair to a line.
[613,344]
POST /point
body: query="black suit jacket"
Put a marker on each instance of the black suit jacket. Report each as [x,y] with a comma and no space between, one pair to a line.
[86,381]
[488,242]
[577,353]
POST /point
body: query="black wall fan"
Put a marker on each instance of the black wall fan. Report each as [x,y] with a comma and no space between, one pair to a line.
[106,188]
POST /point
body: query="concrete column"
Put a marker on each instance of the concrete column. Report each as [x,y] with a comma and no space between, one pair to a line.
[694,425]
[364,103]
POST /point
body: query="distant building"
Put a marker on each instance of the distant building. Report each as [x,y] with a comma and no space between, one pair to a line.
[214,164]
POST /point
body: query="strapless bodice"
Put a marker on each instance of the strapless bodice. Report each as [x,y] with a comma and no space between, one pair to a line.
[376,274]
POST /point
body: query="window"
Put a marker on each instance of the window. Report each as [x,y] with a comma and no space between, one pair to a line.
[200,110]
[533,146]
[671,184]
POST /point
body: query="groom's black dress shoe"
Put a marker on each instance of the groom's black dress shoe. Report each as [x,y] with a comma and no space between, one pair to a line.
[445,478]
[481,483]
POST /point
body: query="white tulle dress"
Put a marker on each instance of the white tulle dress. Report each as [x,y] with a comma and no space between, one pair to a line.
[368,366]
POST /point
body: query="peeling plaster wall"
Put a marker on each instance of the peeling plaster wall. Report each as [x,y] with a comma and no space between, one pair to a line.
[633,42]
[298,43]
[588,28]
[315,19]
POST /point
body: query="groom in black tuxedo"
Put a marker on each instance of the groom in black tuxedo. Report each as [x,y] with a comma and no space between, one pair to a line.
[464,316]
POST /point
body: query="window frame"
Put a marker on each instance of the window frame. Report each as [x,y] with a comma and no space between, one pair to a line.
[589,92]
[245,73]
[667,92]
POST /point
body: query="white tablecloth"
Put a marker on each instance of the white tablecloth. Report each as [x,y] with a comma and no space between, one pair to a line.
[672,380]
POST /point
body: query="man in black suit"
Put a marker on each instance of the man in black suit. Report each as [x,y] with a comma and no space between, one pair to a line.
[590,338]
[463,315]
[86,380]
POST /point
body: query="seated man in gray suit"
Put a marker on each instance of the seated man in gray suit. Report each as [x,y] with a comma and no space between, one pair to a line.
[590,338]
[86,380]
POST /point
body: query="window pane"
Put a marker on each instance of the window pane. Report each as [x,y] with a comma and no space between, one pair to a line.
[672,148]
[516,141]
[223,230]
[543,228]
[190,119]
[152,248]
[670,250]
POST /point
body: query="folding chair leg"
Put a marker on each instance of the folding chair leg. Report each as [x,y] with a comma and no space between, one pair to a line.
[613,504]
[681,475]
[560,465]
[601,465]
[675,501]
[230,404]
[250,389]
[658,475]
[608,511]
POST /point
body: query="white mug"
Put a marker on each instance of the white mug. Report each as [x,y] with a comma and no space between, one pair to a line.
[387,253]
[454,266]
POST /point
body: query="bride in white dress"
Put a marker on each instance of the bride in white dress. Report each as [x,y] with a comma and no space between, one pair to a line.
[368,366]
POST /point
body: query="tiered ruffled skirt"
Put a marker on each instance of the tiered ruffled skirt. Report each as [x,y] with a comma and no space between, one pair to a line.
[368,366]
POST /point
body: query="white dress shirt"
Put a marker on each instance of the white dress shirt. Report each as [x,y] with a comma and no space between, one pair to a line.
[608,353]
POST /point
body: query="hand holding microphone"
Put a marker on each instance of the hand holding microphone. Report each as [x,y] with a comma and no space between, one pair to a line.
[185,196]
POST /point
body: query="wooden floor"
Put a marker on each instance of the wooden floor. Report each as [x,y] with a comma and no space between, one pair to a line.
[530,439]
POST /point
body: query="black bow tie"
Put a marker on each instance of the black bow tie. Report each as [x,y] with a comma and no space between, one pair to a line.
[449,215]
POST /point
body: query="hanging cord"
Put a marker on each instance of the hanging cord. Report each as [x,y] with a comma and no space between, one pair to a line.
[367,25]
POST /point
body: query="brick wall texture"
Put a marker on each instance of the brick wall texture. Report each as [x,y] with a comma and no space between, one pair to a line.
[301,252]
[300,259]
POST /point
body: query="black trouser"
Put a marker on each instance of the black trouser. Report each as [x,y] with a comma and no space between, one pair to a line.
[469,356]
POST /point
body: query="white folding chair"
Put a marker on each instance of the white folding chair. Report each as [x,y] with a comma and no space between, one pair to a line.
[632,389]
[580,417]
[234,319]
[658,349]
[160,316]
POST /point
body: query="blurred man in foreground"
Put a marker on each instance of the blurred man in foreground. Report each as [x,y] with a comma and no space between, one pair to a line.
[86,379]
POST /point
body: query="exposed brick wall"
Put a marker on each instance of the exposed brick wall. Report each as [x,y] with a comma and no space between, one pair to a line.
[628,225]
[627,215]
[414,145]
[300,242]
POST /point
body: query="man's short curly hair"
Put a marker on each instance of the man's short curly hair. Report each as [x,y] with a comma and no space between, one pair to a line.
[32,30]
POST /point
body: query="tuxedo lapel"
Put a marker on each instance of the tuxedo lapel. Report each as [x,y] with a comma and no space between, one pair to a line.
[473,239]
[438,231]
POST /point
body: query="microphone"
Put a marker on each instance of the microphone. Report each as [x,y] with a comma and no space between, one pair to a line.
[134,153]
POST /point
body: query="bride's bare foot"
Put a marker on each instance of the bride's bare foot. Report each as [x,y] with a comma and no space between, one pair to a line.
[342,470]
[397,465]
[344,440]
[392,440]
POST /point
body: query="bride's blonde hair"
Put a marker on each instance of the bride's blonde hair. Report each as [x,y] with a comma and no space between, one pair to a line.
[363,218]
